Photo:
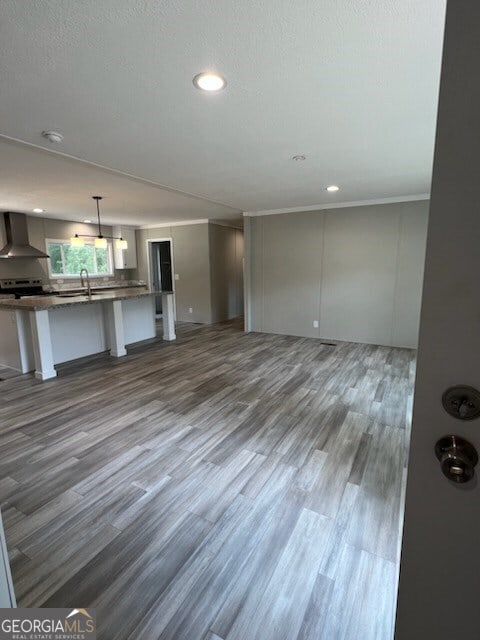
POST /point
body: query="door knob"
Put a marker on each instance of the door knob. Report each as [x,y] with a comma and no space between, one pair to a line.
[458,458]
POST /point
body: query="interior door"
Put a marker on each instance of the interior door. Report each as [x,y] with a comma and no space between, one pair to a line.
[165,260]
[161,269]
[440,566]
[156,275]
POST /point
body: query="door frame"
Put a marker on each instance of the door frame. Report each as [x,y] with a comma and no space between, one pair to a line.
[149,242]
[439,576]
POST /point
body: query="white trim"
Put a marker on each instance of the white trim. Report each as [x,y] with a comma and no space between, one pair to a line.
[338,205]
[149,268]
[183,223]
[226,223]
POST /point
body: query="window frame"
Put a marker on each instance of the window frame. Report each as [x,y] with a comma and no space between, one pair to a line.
[88,241]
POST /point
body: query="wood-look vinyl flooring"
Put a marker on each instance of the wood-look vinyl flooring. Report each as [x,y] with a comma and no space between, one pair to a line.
[226,486]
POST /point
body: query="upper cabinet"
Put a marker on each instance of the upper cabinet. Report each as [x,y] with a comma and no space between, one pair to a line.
[125,258]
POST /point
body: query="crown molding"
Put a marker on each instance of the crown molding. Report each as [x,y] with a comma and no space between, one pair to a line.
[183,223]
[338,205]
[227,223]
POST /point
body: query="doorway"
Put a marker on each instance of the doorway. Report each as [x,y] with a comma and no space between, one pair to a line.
[160,269]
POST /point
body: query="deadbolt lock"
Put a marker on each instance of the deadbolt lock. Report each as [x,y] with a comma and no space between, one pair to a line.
[462,402]
[458,458]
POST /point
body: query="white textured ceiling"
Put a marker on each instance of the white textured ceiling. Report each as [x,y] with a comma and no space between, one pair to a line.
[351,84]
[32,178]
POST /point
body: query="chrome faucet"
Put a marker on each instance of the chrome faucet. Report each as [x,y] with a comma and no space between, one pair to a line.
[82,282]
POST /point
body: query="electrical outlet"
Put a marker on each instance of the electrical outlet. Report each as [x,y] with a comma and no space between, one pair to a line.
[190,310]
[177,277]
[315,324]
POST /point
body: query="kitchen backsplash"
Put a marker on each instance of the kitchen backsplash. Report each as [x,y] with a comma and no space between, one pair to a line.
[34,268]
[95,282]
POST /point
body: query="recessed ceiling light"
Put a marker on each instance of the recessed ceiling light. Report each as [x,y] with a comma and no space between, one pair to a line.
[209,81]
[52,136]
[299,158]
[332,188]
[36,210]
[87,221]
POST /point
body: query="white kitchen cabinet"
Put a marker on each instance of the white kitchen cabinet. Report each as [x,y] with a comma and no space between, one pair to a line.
[125,258]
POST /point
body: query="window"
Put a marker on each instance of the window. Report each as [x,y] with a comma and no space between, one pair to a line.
[66,260]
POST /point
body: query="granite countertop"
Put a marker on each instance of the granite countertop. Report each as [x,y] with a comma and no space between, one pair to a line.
[56,289]
[38,303]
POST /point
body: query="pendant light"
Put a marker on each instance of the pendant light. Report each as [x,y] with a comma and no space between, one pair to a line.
[100,241]
[77,241]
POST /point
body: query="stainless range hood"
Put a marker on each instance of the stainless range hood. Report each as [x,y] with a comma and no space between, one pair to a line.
[17,238]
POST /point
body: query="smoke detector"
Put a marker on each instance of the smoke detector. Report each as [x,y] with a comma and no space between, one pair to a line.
[52,136]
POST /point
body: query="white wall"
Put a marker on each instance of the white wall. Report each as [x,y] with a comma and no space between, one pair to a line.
[357,271]
[226,272]
[191,265]
[207,258]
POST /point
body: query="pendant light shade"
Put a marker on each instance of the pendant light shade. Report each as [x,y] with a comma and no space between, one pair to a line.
[121,244]
[76,241]
[100,242]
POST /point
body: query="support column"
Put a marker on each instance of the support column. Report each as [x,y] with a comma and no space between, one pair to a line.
[168,317]
[42,345]
[247,274]
[114,326]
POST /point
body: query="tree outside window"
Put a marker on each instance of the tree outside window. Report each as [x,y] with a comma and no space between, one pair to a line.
[66,260]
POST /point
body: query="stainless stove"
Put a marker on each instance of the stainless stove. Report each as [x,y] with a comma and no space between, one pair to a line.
[21,287]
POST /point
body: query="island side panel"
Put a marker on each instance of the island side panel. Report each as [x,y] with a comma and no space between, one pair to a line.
[139,319]
[10,355]
[25,341]
[77,331]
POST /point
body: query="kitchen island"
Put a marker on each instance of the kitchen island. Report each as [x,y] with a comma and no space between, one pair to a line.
[36,333]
